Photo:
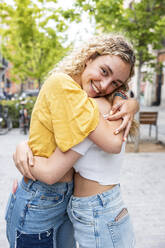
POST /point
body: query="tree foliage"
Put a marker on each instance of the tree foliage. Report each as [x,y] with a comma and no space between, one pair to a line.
[142,21]
[32,38]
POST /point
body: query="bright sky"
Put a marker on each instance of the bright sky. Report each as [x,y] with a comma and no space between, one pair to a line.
[85,29]
[77,31]
[80,31]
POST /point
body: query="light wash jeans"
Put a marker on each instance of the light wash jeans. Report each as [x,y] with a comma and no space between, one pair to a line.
[101,221]
[36,216]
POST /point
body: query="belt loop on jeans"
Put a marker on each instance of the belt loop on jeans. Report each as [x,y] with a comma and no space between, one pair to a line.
[70,201]
[102,200]
[30,183]
[69,188]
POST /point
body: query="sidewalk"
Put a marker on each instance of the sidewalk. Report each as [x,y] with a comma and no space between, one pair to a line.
[142,184]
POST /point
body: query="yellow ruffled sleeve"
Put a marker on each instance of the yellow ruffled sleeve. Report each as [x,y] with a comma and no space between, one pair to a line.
[74,115]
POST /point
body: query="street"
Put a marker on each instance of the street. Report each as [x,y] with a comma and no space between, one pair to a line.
[142,184]
[62,56]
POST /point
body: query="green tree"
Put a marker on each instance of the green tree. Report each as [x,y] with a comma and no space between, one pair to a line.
[142,21]
[29,42]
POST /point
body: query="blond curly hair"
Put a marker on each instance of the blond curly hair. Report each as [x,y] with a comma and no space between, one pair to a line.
[109,44]
[105,44]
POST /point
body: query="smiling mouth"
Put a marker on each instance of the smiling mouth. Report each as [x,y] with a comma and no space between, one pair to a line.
[94,88]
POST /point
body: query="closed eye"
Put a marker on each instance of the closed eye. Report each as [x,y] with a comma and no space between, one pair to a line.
[115,84]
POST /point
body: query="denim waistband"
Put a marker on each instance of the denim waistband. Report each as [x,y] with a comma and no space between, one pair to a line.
[59,187]
[99,199]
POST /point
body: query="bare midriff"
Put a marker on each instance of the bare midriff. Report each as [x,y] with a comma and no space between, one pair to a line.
[68,176]
[84,187]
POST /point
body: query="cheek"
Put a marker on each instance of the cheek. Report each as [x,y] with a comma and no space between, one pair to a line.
[85,83]
[86,74]
[110,90]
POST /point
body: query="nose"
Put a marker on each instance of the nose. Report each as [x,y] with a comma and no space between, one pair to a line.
[105,86]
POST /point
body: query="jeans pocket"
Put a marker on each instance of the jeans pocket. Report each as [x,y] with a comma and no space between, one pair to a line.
[121,230]
[43,211]
[46,201]
[9,207]
[43,239]
[80,216]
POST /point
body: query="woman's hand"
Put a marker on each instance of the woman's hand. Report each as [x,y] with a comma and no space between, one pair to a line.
[23,158]
[125,109]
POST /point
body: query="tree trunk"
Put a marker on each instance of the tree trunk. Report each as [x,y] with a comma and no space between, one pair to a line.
[158,87]
[22,87]
[39,83]
[137,139]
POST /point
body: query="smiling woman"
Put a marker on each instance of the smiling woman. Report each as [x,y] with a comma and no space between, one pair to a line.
[94,53]
[104,75]
[68,110]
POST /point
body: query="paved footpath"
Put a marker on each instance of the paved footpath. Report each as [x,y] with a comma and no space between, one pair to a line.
[142,183]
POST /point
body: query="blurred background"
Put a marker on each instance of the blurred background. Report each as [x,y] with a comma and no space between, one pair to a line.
[37,34]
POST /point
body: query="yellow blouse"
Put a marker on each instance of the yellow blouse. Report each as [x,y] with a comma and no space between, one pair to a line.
[63,116]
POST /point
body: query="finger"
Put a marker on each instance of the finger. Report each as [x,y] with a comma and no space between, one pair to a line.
[30,158]
[122,126]
[126,132]
[23,168]
[26,169]
[114,117]
[30,176]
[17,164]
[115,107]
[20,168]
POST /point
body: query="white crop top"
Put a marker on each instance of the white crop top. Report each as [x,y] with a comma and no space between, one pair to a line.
[97,165]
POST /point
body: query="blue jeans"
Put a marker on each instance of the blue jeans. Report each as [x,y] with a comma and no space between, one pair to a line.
[101,221]
[36,216]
